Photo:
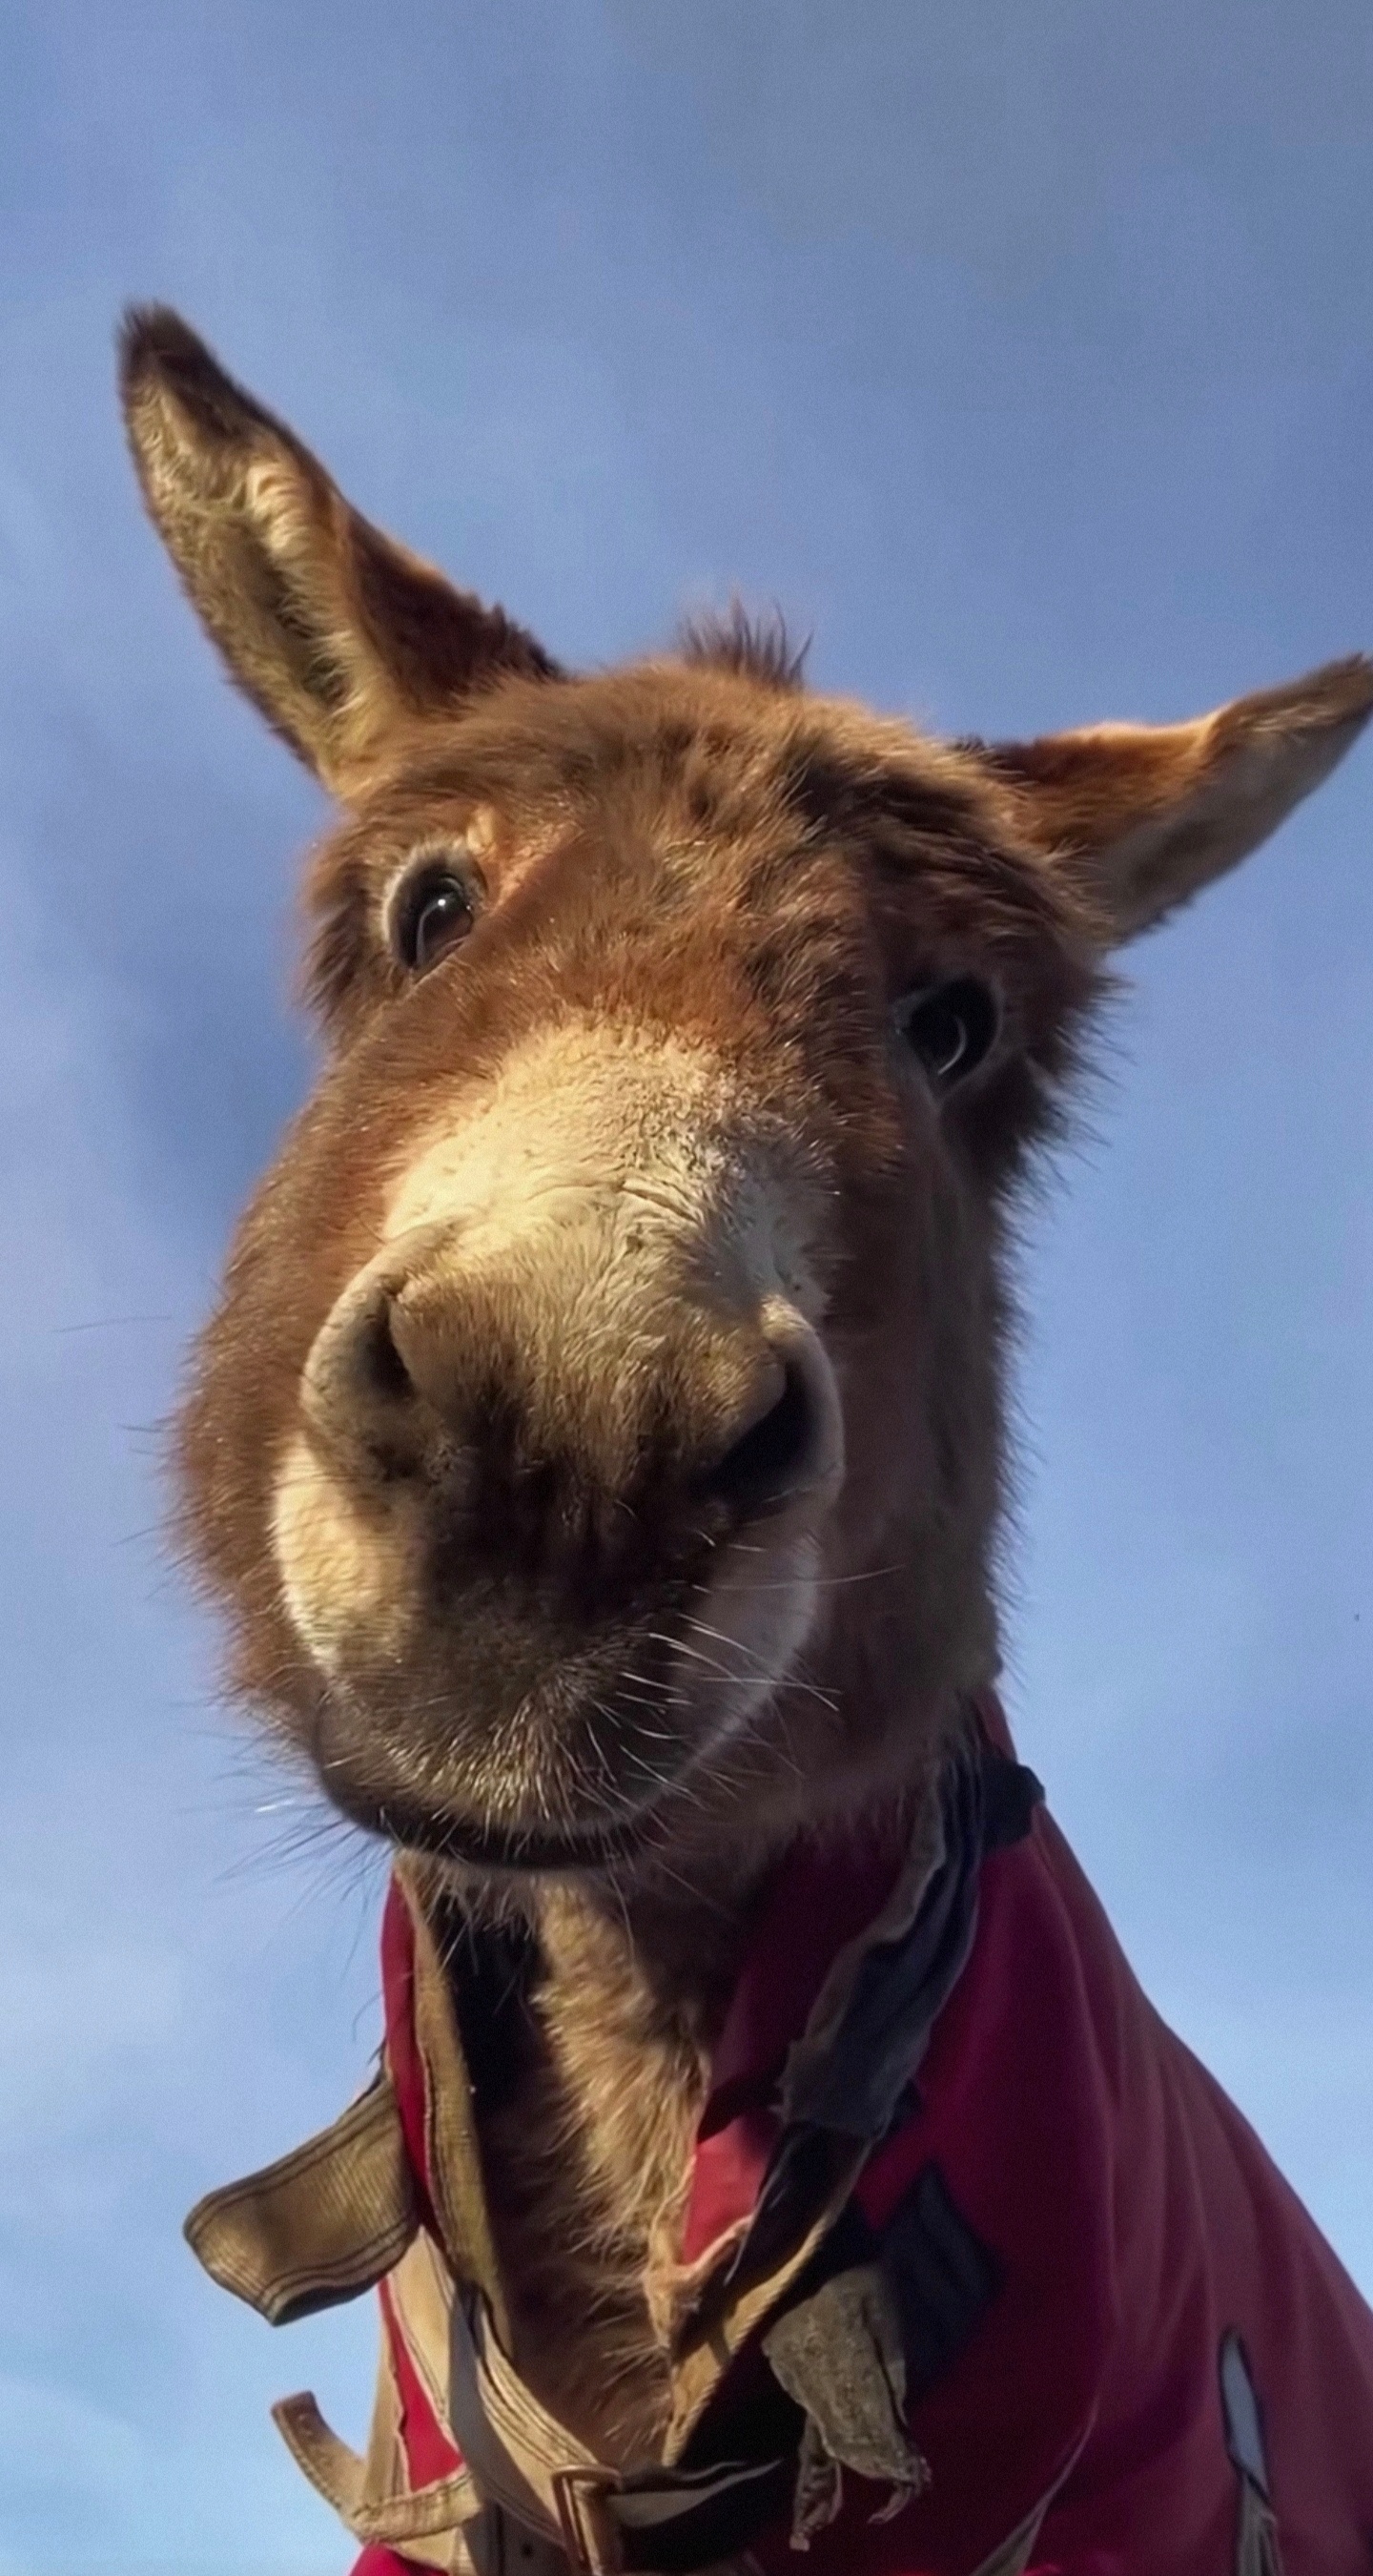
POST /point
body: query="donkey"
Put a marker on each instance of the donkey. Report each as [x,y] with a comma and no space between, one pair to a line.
[598,1454]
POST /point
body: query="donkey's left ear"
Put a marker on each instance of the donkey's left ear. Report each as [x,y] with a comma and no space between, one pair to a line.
[1146,815]
[337,633]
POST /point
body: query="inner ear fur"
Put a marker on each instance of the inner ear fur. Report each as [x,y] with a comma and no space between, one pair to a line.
[336,633]
[1146,815]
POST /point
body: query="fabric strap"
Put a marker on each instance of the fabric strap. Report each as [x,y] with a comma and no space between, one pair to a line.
[533,2469]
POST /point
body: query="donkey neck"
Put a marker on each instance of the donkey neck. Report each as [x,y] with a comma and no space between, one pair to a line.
[588,2113]
[587,2118]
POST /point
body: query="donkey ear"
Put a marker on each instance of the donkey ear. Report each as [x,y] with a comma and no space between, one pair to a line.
[336,633]
[1148,814]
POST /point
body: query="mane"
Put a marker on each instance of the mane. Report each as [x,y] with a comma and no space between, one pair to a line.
[758,647]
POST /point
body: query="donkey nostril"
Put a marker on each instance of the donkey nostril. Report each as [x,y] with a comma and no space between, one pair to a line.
[765,1467]
[380,1361]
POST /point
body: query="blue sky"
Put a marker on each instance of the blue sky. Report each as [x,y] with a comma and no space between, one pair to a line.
[1024,355]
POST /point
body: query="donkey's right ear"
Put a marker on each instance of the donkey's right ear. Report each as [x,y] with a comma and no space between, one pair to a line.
[338,634]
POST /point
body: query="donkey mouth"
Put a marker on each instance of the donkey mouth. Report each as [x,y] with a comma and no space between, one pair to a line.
[477,1843]
[507,1744]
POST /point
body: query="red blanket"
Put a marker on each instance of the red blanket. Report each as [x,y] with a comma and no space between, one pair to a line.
[1128,2217]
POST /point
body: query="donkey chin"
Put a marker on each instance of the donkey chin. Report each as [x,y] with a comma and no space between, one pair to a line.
[531,1672]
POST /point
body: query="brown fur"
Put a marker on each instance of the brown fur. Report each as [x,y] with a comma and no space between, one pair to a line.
[699,893]
[590,2159]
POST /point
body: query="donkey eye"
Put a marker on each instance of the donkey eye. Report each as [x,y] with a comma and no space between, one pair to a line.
[430,916]
[950,1027]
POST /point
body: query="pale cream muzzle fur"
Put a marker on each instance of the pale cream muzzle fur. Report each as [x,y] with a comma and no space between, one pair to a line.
[617,1202]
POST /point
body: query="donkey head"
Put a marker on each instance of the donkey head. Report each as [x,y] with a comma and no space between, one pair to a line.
[597,1448]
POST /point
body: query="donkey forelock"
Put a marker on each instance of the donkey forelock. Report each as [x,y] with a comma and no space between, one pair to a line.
[598,1446]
